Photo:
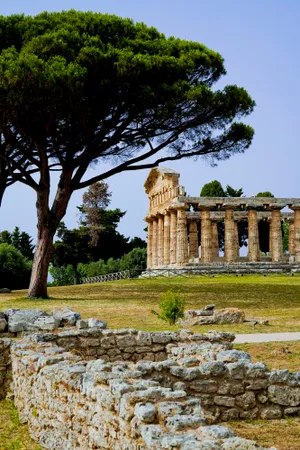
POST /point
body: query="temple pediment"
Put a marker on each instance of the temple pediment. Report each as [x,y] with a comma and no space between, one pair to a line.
[161,179]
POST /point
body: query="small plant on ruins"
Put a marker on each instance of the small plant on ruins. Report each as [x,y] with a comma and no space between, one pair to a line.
[171,307]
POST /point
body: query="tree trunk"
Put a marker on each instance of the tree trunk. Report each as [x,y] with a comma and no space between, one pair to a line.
[48,221]
[76,275]
[39,274]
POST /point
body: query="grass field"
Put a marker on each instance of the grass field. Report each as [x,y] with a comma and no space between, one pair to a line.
[129,304]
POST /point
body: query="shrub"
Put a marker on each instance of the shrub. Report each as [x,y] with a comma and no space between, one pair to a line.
[61,276]
[15,269]
[171,307]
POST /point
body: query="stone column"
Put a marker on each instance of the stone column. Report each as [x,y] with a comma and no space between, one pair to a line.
[160,241]
[253,236]
[236,238]
[276,236]
[206,236]
[149,243]
[166,239]
[173,236]
[230,246]
[270,235]
[297,233]
[215,240]
[182,241]
[193,233]
[154,242]
[291,238]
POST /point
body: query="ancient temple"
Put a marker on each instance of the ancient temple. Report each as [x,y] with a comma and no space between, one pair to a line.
[184,230]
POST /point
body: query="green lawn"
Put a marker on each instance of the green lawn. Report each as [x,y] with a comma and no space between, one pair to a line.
[13,435]
[128,304]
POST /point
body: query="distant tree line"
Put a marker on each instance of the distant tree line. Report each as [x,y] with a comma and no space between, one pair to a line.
[96,247]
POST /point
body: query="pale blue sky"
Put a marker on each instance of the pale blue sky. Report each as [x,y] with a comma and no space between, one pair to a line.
[259,40]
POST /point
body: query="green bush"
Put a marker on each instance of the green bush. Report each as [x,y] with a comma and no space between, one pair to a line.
[15,269]
[62,276]
[171,307]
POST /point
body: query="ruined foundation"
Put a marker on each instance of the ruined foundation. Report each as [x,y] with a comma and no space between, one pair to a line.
[132,390]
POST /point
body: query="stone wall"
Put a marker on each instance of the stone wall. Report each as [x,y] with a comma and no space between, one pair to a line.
[5,366]
[74,404]
[132,345]
[133,390]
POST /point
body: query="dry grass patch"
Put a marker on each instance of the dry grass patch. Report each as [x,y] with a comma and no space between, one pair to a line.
[276,355]
[283,434]
[128,303]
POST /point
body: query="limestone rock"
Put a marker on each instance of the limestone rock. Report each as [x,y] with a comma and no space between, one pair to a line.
[229,315]
[66,316]
[216,432]
[8,313]
[3,325]
[271,412]
[205,311]
[82,324]
[145,412]
[230,356]
[27,315]
[46,323]
[284,395]
[96,323]
[17,327]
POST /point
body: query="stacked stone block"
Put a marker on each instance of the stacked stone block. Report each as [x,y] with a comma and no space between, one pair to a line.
[71,403]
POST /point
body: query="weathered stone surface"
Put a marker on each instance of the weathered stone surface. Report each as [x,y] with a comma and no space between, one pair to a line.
[46,323]
[82,324]
[177,423]
[284,395]
[26,316]
[207,310]
[221,400]
[246,401]
[145,412]
[131,405]
[230,356]
[66,316]
[229,315]
[271,412]
[96,323]
[8,313]
[3,324]
[205,386]
[215,432]
[208,316]
[16,327]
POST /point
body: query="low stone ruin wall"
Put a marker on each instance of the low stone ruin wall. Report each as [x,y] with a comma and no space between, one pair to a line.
[5,366]
[132,345]
[70,403]
[95,388]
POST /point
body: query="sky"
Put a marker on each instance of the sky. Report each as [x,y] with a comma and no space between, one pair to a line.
[259,40]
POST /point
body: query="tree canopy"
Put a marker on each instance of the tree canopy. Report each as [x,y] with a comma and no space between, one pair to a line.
[20,240]
[80,89]
[215,189]
[14,268]
[265,194]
